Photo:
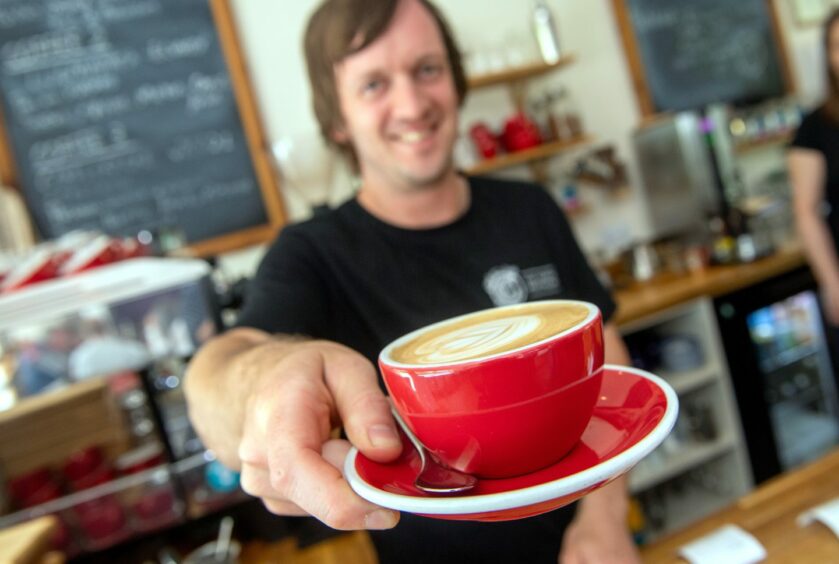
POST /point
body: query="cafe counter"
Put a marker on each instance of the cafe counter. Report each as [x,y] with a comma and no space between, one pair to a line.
[770,514]
[667,290]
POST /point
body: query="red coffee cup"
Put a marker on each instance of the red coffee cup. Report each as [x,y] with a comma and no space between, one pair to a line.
[34,488]
[500,392]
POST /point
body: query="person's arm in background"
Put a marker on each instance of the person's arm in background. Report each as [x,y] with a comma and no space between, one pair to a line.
[599,533]
[266,405]
[807,170]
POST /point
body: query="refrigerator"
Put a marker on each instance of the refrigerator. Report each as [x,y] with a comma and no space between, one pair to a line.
[782,359]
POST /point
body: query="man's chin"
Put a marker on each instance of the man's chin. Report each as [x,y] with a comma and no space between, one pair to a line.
[429,178]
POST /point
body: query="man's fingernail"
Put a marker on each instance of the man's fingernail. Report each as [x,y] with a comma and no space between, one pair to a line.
[382,436]
[381,519]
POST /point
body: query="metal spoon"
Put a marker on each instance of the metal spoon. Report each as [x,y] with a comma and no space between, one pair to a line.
[223,542]
[433,477]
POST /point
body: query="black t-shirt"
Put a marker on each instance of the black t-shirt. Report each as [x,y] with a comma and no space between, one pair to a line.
[346,276]
[819,133]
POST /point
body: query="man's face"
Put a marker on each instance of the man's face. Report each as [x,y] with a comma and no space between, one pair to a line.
[399,103]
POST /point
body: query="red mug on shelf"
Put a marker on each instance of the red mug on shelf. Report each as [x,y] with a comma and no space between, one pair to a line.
[520,133]
[486,143]
[500,392]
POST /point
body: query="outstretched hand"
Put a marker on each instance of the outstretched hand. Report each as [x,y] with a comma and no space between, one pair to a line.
[288,458]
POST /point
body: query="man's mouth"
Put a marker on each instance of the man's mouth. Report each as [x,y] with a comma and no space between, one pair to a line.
[414,136]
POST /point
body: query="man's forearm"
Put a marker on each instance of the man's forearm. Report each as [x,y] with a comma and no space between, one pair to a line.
[819,248]
[609,502]
[219,383]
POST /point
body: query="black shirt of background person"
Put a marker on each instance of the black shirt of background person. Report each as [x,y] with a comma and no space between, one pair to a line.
[819,133]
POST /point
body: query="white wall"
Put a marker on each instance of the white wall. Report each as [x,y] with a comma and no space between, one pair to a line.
[271,36]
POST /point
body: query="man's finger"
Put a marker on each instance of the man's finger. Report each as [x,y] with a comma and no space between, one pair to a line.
[299,472]
[255,481]
[307,479]
[363,408]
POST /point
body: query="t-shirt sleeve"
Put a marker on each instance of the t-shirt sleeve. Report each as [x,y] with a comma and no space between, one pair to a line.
[287,295]
[579,279]
[808,135]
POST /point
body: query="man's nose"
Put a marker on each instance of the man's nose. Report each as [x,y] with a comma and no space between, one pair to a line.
[410,101]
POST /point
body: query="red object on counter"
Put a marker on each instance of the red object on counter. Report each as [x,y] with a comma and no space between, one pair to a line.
[98,252]
[43,264]
[34,488]
[103,522]
[87,468]
[520,133]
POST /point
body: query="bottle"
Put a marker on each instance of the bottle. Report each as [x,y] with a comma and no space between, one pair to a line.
[545,31]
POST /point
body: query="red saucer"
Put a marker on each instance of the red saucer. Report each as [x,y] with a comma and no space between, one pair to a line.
[634,413]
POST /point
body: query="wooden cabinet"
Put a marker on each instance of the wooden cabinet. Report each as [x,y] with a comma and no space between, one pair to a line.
[703,465]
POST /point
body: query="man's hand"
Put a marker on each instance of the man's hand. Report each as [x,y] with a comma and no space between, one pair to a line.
[269,407]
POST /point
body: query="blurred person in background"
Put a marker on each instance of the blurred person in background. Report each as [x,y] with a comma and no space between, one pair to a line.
[419,243]
[813,162]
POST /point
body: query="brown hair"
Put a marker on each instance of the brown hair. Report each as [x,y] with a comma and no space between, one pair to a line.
[339,28]
[831,103]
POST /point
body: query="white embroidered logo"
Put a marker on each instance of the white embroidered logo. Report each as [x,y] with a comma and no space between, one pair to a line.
[508,284]
[505,285]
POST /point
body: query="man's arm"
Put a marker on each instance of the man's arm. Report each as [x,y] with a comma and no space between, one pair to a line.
[599,533]
[807,174]
[266,405]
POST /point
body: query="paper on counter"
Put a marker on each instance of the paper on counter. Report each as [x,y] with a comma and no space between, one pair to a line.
[727,545]
[827,513]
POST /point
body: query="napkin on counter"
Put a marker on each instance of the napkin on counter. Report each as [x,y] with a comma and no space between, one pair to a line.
[827,513]
[727,545]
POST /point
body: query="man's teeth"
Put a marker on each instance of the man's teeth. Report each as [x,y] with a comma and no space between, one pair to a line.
[413,136]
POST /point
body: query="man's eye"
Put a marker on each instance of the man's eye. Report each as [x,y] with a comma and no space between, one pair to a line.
[430,70]
[372,86]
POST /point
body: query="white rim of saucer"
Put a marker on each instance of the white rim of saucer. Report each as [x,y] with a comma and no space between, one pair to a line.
[464,505]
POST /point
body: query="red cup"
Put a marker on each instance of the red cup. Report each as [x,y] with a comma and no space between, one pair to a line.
[486,144]
[87,468]
[500,392]
[34,488]
[520,133]
[103,522]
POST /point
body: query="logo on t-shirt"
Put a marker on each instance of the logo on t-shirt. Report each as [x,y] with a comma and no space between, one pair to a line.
[508,284]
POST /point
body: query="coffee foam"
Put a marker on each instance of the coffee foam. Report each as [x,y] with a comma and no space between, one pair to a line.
[489,332]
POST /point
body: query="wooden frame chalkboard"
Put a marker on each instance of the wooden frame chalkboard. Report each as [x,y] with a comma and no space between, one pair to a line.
[203,124]
[639,67]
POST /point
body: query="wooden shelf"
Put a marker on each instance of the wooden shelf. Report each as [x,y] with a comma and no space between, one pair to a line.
[526,156]
[518,74]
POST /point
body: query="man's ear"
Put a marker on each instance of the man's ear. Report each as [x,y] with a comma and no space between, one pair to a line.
[340,135]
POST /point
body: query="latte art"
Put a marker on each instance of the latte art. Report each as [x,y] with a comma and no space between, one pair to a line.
[489,332]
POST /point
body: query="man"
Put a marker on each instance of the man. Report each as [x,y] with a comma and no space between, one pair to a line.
[419,243]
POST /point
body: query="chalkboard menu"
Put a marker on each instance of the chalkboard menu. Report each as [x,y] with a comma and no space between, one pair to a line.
[121,116]
[688,54]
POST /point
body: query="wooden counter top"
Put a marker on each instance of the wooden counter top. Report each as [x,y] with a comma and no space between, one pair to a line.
[769,513]
[667,290]
[28,542]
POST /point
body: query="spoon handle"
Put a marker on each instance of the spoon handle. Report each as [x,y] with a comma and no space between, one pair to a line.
[408,433]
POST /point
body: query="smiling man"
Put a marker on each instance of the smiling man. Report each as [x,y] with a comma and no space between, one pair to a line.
[419,243]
